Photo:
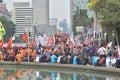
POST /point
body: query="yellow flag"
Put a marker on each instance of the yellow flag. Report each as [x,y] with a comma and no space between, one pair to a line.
[2,31]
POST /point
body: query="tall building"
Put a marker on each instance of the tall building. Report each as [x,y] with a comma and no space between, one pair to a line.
[53,22]
[4,11]
[50,30]
[41,11]
[73,8]
[22,17]
[63,24]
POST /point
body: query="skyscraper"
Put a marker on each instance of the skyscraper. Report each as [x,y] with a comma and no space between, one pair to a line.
[22,17]
[73,8]
[63,24]
[41,11]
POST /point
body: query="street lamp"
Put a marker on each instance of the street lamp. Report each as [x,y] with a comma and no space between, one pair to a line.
[28,30]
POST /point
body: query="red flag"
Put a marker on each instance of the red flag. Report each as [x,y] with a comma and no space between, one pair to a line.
[1,42]
[9,43]
[25,37]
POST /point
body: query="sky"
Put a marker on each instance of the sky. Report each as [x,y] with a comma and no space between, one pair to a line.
[58,8]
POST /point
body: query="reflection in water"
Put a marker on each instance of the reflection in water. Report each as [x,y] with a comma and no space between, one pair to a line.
[19,74]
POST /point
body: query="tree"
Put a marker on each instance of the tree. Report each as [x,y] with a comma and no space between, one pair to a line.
[80,18]
[109,15]
[18,39]
[9,27]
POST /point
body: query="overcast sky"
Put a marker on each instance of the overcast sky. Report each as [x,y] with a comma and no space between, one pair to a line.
[58,8]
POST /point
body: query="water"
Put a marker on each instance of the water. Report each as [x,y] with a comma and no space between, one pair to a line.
[49,74]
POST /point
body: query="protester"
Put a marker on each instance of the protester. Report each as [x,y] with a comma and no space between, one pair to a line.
[53,58]
[1,57]
[63,51]
[102,51]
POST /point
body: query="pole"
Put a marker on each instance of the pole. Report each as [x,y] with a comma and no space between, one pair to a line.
[28,41]
[28,50]
[28,26]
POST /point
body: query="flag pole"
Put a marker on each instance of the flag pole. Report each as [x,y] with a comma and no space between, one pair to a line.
[28,20]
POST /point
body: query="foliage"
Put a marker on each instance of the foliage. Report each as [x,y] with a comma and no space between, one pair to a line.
[91,4]
[18,39]
[9,27]
[80,18]
[109,14]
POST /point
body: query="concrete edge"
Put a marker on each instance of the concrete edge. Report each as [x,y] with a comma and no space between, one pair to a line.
[115,71]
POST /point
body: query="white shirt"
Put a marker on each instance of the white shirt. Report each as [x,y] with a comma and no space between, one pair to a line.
[102,51]
[58,60]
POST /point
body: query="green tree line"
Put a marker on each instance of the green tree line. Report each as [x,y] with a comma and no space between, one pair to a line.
[108,12]
[80,18]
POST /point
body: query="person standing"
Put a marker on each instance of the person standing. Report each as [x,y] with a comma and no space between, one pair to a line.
[102,51]
[53,58]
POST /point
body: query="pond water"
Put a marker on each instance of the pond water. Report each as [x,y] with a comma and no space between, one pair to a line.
[49,74]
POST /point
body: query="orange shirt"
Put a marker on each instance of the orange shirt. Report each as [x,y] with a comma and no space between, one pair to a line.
[1,58]
[33,54]
[28,50]
[19,57]
[23,52]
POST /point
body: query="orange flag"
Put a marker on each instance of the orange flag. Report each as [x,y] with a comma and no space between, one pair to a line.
[1,42]
[9,43]
[25,37]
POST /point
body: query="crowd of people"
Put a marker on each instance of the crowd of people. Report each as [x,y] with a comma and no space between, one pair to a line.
[63,52]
